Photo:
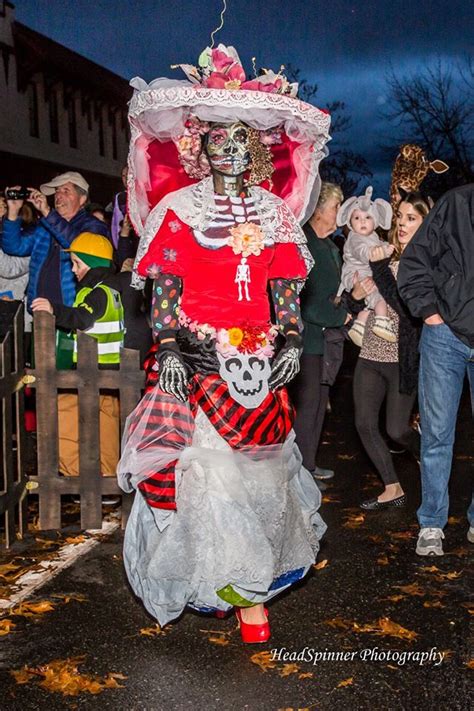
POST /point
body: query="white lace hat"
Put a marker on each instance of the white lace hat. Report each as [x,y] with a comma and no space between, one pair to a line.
[217,91]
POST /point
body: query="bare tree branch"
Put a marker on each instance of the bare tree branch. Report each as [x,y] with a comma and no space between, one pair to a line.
[433,108]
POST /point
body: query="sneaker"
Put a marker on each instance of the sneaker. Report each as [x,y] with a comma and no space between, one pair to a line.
[470,534]
[430,541]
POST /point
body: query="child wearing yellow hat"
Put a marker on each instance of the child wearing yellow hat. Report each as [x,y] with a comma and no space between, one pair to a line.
[98,311]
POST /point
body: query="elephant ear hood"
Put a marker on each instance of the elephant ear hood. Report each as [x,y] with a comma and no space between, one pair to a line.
[379,209]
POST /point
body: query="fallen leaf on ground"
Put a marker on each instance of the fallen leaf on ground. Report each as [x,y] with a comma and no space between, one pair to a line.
[305,675]
[394,598]
[376,538]
[264,660]
[433,603]
[385,626]
[401,535]
[346,682]
[450,576]
[439,574]
[412,589]
[6,627]
[75,540]
[453,520]
[382,560]
[331,499]
[289,669]
[346,457]
[339,623]
[218,640]
[70,597]
[470,664]
[152,631]
[33,609]
[429,569]
[382,627]
[354,520]
[9,571]
[63,676]
[459,552]
[46,542]
[321,565]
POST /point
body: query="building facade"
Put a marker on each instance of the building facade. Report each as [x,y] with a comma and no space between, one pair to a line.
[58,111]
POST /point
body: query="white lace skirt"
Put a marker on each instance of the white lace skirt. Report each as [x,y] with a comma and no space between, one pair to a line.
[244,529]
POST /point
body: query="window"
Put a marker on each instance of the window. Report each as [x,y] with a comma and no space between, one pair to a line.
[53,117]
[72,122]
[32,94]
[89,116]
[101,133]
[113,118]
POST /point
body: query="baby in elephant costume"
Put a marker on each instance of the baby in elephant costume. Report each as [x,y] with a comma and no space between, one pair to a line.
[363,215]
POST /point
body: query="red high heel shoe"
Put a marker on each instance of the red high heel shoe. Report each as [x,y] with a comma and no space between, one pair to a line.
[253,634]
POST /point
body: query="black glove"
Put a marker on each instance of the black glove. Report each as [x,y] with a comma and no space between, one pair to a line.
[287,363]
[172,373]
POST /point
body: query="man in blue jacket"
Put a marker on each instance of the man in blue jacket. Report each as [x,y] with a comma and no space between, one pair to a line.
[50,274]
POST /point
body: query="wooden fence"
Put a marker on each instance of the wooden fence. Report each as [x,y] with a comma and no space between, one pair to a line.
[88,381]
[12,437]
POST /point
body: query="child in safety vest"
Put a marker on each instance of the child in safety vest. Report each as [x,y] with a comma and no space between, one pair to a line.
[98,311]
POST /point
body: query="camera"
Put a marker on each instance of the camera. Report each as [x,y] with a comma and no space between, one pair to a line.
[18,194]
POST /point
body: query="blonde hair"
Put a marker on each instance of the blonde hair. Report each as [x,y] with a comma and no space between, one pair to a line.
[328,191]
[422,207]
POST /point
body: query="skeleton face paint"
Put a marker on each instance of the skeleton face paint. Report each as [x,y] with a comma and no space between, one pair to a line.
[246,377]
[227,148]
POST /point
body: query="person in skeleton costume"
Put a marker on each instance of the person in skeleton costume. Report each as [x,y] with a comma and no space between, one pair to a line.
[225,515]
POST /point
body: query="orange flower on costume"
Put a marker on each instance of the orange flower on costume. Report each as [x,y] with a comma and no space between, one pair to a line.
[235,336]
[246,239]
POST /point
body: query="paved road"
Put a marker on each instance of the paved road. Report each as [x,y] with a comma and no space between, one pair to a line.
[371,562]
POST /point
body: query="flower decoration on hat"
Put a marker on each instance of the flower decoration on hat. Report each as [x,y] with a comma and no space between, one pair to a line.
[221,68]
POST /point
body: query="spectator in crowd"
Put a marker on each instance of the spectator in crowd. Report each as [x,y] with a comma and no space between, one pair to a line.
[51,274]
[436,280]
[97,211]
[119,209]
[127,242]
[309,390]
[136,307]
[14,270]
[389,371]
[97,310]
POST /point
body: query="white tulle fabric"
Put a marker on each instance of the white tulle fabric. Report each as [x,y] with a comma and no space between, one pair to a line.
[149,447]
[239,521]
[195,205]
[159,110]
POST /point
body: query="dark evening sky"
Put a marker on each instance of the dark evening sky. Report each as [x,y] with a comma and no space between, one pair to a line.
[345,47]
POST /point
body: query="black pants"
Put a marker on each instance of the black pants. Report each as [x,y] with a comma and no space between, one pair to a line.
[310,399]
[373,383]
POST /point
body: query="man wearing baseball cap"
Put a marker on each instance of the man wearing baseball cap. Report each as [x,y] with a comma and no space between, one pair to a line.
[51,275]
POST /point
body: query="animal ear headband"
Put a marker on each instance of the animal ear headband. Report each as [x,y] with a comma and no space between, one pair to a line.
[379,209]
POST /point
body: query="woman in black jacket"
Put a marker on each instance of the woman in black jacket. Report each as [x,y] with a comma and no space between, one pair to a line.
[389,371]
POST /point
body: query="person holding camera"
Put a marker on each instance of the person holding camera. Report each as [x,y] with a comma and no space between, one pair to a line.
[50,273]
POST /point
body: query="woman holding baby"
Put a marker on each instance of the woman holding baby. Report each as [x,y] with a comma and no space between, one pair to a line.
[387,368]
